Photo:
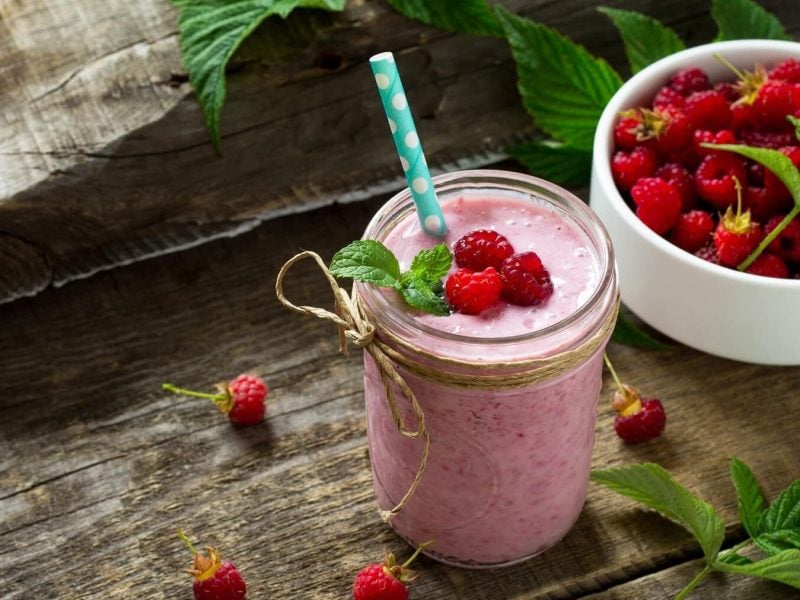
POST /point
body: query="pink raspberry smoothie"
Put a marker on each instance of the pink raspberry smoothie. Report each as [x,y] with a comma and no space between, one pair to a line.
[508,467]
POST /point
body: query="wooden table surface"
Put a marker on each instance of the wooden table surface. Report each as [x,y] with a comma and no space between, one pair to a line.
[98,466]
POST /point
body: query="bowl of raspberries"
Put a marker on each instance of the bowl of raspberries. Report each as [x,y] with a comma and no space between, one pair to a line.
[707,250]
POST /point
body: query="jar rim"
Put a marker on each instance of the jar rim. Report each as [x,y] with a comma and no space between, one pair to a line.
[401,204]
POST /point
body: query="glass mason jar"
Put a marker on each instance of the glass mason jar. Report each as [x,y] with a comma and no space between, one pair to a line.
[510,411]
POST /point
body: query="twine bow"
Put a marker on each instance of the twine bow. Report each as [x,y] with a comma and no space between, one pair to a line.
[354,326]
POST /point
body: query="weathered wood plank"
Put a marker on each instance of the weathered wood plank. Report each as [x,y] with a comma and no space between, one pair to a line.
[97,464]
[105,158]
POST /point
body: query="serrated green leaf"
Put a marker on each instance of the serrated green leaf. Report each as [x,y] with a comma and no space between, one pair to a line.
[418,293]
[460,16]
[653,486]
[628,334]
[555,162]
[784,512]
[368,261]
[646,40]
[750,499]
[744,19]
[734,558]
[778,541]
[431,264]
[212,30]
[783,567]
[562,85]
[796,123]
[777,162]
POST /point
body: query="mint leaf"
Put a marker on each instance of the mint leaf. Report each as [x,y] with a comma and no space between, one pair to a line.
[777,541]
[555,162]
[368,261]
[212,30]
[646,40]
[750,499]
[562,85]
[419,293]
[784,512]
[783,567]
[460,16]
[796,122]
[653,486]
[431,264]
[744,19]
[627,333]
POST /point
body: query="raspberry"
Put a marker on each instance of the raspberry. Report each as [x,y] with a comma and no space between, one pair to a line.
[242,399]
[482,248]
[526,281]
[787,244]
[375,582]
[704,136]
[707,109]
[708,253]
[693,230]
[689,80]
[626,130]
[775,100]
[715,178]
[736,237]
[741,116]
[769,265]
[763,138]
[675,133]
[787,70]
[628,167]
[775,185]
[658,203]
[728,90]
[638,419]
[683,182]
[385,580]
[214,579]
[666,97]
[471,292]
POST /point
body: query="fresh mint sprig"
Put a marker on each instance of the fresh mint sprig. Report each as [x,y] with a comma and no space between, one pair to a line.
[773,529]
[421,286]
[783,168]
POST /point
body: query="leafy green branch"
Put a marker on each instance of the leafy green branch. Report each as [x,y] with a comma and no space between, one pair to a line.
[773,529]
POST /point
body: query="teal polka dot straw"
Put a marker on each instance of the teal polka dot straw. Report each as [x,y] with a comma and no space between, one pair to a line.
[404,132]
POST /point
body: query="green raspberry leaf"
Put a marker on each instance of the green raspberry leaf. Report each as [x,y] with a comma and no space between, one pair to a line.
[778,541]
[562,85]
[784,512]
[734,558]
[432,264]
[751,500]
[459,16]
[628,334]
[744,19]
[783,567]
[796,122]
[212,30]
[555,162]
[646,40]
[653,486]
[368,261]
[421,293]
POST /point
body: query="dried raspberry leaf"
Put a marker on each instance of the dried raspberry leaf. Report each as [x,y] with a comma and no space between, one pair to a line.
[431,264]
[783,567]
[460,16]
[212,30]
[555,162]
[751,500]
[368,261]
[562,85]
[646,39]
[653,486]
[744,20]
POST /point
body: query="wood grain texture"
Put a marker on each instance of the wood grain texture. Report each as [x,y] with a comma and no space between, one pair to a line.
[98,466]
[105,159]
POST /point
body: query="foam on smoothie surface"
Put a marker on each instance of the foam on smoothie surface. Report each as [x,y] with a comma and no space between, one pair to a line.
[563,246]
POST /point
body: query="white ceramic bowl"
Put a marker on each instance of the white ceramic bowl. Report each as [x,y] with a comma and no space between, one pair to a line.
[717,310]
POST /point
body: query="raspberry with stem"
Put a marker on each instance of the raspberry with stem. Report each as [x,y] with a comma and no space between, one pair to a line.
[386,580]
[638,419]
[214,579]
[242,399]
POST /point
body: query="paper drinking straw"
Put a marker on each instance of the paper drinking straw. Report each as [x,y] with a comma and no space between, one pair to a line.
[404,133]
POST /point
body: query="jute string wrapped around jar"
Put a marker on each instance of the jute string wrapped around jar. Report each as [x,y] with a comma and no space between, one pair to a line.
[356,325]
